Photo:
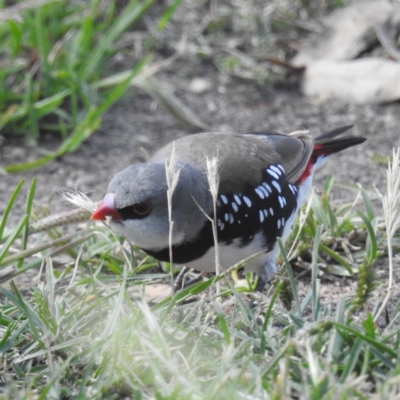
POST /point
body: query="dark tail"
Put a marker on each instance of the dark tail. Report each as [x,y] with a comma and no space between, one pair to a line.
[328,143]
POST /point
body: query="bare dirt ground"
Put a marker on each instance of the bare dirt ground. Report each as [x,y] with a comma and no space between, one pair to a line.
[138,125]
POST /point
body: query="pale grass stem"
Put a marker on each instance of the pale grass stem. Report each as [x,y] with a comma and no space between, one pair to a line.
[213,182]
[296,133]
[313,365]
[81,214]
[302,220]
[391,210]
[172,175]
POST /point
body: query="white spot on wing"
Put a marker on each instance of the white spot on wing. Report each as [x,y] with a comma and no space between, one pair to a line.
[235,207]
[224,199]
[259,192]
[280,198]
[277,185]
[247,201]
[265,191]
[272,173]
[226,216]
[237,199]
[276,169]
[281,168]
[266,213]
[267,187]
[279,223]
[231,219]
[261,216]
[271,211]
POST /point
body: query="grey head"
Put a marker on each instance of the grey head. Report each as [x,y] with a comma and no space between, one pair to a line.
[139,193]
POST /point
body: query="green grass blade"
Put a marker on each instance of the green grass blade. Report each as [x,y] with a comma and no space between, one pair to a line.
[352,359]
[10,240]
[316,305]
[28,210]
[35,322]
[329,184]
[41,107]
[291,277]
[222,324]
[92,120]
[37,262]
[163,21]
[29,165]
[131,13]
[267,318]
[337,257]
[368,205]
[9,207]
[287,348]
[372,244]
[336,340]
[40,248]
[374,343]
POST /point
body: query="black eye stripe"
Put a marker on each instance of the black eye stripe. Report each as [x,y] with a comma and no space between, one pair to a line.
[136,211]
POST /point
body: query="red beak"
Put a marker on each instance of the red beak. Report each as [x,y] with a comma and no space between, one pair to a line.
[106,209]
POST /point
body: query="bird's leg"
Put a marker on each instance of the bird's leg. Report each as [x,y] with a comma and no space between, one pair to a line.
[266,273]
[179,281]
[196,279]
[260,284]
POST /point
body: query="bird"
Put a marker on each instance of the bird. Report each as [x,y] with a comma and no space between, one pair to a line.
[264,179]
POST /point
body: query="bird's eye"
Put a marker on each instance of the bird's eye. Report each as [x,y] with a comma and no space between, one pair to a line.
[141,209]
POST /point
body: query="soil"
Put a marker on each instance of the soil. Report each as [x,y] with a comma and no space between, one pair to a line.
[138,125]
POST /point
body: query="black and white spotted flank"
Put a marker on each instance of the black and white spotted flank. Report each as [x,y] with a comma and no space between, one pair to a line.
[263,209]
[241,217]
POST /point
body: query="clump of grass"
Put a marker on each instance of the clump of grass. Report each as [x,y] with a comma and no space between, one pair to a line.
[391,209]
[366,274]
[87,332]
[57,58]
